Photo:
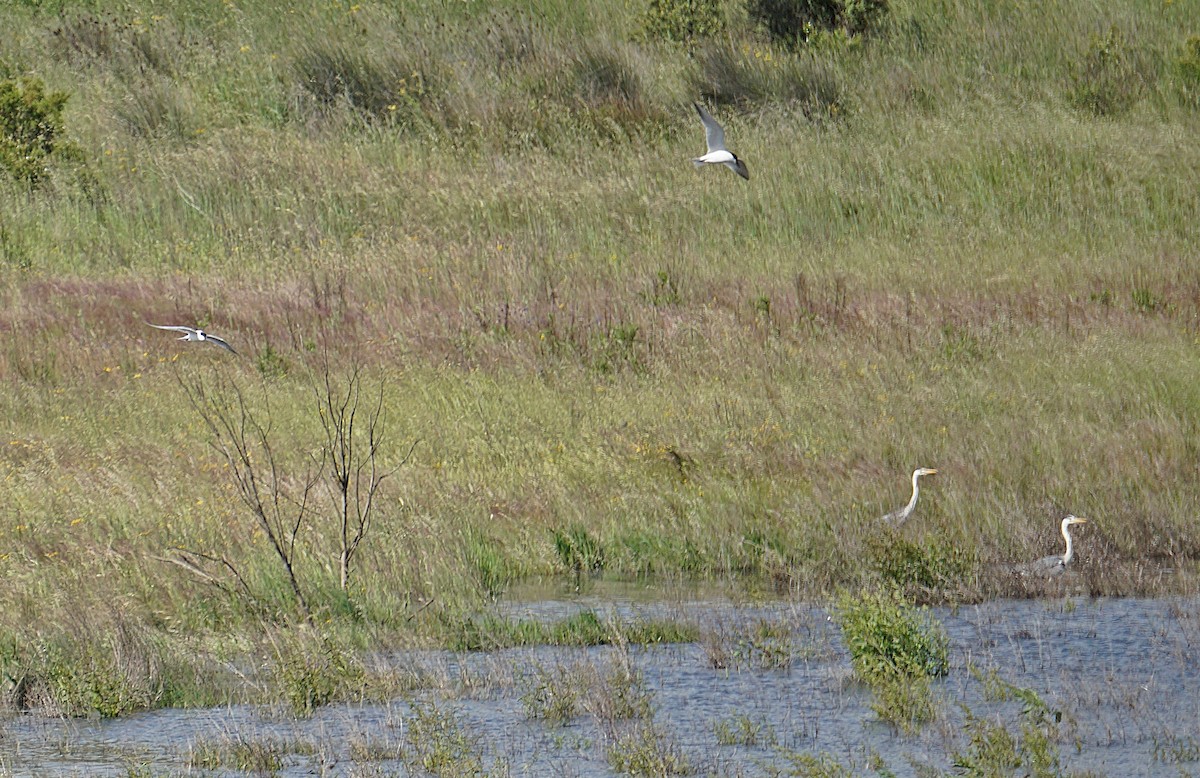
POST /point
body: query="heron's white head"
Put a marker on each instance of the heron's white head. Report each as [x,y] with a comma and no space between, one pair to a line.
[924,471]
[1073,520]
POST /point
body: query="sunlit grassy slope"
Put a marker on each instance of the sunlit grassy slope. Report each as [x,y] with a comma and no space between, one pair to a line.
[968,241]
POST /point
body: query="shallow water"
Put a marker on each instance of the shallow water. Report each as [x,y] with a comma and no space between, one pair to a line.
[1123,672]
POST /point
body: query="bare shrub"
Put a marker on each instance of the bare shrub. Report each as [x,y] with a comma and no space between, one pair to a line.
[281,496]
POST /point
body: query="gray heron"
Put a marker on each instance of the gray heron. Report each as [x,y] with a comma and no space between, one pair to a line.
[1056,564]
[896,518]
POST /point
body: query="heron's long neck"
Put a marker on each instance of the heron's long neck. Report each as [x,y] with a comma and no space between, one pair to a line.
[1066,533]
[912,503]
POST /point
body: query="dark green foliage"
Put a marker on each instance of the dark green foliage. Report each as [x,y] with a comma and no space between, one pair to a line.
[485,633]
[1111,77]
[932,571]
[789,21]
[861,17]
[1187,69]
[995,750]
[895,649]
[578,551]
[887,636]
[682,21]
[31,126]
[796,21]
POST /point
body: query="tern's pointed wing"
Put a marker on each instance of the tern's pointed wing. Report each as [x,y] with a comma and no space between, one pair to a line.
[714,136]
[220,342]
[173,328]
[739,167]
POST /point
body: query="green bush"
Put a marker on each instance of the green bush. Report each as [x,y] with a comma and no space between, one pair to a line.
[1187,69]
[31,126]
[314,671]
[797,21]
[895,649]
[935,570]
[860,17]
[1110,78]
[790,21]
[886,636]
[682,21]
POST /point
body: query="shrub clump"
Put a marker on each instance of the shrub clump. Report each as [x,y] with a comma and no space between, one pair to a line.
[682,21]
[1187,69]
[887,636]
[935,571]
[314,671]
[895,648]
[31,128]
[1109,79]
[798,21]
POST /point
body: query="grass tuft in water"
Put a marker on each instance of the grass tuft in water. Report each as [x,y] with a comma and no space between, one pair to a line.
[489,632]
[258,756]
[646,749]
[437,743]
[895,648]
[312,670]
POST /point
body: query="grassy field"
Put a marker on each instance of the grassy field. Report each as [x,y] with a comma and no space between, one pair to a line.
[968,241]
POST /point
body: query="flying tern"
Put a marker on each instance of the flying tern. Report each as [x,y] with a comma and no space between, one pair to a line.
[717,154]
[193,334]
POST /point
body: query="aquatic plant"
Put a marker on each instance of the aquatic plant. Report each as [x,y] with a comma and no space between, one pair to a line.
[552,695]
[895,648]
[247,754]
[996,749]
[487,632]
[645,749]
[313,670]
[742,730]
[887,636]
[437,743]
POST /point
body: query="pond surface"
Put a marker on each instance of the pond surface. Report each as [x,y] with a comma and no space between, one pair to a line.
[1123,672]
